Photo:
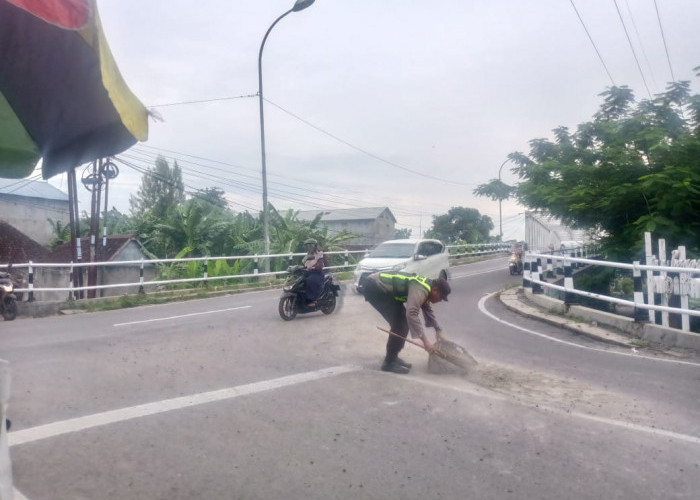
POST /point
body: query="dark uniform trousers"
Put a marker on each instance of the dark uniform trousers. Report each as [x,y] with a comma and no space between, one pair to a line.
[391,310]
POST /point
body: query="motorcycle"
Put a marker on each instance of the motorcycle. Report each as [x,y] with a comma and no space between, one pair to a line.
[8,300]
[515,265]
[293,300]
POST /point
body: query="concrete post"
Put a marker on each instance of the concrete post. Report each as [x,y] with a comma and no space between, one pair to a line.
[569,298]
[639,313]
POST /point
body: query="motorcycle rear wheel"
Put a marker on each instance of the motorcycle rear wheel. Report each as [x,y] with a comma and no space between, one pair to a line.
[328,305]
[287,308]
[9,310]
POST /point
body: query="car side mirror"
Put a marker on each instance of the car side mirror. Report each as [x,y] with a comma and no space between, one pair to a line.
[419,257]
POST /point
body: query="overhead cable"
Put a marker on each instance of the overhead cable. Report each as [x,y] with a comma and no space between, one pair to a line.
[634,53]
[593,43]
[663,37]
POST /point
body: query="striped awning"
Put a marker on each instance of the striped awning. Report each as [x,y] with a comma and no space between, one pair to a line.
[62,98]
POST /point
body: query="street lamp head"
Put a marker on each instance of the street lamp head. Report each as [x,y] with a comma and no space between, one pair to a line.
[302,4]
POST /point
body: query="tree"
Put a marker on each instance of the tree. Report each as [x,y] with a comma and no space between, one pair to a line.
[161,190]
[117,222]
[461,225]
[634,168]
[495,189]
[214,196]
[61,232]
[402,233]
[288,233]
[191,229]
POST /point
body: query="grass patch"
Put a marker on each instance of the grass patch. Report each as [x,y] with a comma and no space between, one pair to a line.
[640,343]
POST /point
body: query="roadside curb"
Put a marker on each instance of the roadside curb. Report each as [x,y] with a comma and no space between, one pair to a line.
[613,329]
[515,299]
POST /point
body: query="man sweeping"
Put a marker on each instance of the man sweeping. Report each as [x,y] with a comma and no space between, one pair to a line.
[400,298]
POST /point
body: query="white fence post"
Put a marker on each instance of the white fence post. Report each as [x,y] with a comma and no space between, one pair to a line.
[664,290]
[650,261]
[684,291]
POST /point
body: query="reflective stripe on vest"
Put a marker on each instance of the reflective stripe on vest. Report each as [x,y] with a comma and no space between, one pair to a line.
[400,281]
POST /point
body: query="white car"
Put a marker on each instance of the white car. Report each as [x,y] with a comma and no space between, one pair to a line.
[428,258]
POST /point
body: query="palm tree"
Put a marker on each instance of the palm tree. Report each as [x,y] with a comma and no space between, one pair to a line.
[61,232]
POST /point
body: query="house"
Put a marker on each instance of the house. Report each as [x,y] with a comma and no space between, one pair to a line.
[27,205]
[18,248]
[372,225]
[116,248]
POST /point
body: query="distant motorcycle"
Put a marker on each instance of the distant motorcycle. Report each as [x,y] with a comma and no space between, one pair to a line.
[515,265]
[8,300]
[293,300]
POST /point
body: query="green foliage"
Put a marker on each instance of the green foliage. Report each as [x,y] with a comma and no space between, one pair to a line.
[495,189]
[461,225]
[634,168]
[61,232]
[288,233]
[402,233]
[160,191]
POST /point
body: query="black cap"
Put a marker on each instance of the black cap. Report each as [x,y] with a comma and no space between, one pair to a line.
[443,286]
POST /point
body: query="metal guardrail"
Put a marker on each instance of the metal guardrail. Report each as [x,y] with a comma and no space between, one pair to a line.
[456,251]
[681,281]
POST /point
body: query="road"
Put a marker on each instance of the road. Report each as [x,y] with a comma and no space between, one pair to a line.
[221,399]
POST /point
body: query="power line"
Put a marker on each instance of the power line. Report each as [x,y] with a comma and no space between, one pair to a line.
[641,45]
[592,43]
[663,37]
[634,53]
[146,171]
[371,155]
[280,193]
[201,101]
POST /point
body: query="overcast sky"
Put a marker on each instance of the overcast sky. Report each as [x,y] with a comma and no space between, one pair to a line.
[401,103]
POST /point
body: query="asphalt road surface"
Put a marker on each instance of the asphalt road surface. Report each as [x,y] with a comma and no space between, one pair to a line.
[221,399]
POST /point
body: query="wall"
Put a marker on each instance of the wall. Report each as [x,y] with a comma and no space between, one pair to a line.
[372,232]
[30,215]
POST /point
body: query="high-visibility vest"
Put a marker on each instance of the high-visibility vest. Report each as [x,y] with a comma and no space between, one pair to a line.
[400,281]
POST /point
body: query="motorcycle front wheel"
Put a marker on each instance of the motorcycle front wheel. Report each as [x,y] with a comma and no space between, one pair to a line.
[9,310]
[328,305]
[287,308]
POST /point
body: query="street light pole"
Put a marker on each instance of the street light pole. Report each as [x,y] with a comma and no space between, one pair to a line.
[298,5]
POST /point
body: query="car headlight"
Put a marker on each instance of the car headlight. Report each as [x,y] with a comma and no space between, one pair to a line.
[399,267]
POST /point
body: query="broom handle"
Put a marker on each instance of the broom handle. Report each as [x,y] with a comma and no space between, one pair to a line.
[406,339]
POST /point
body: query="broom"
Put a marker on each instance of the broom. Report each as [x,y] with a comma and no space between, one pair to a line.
[444,349]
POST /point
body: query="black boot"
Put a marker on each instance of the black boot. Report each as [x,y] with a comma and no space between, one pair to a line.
[394,367]
[403,363]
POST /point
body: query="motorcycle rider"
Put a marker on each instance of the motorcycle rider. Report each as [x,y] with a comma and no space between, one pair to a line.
[314,262]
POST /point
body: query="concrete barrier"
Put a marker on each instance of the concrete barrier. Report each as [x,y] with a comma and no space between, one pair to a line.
[669,337]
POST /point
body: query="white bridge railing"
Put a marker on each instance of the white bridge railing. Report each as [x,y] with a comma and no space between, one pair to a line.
[67,271]
[661,284]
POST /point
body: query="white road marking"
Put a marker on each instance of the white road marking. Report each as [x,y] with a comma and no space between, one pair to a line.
[567,413]
[54,429]
[482,308]
[166,318]
[475,273]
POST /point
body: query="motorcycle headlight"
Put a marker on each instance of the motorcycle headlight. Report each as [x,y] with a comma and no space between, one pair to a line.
[6,288]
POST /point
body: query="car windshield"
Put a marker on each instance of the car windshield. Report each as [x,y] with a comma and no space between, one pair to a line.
[393,250]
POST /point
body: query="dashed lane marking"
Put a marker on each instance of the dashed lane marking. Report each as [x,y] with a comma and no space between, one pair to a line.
[166,318]
[54,429]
